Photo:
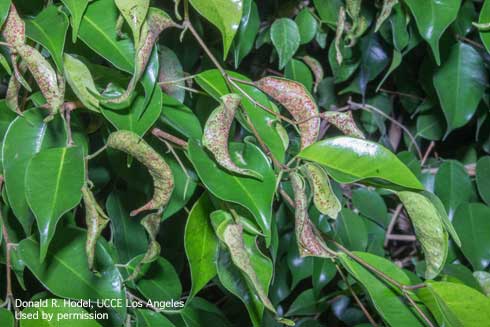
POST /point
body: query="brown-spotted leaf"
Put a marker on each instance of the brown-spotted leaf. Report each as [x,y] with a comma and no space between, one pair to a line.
[163,181]
[217,131]
[310,242]
[344,122]
[134,12]
[324,198]
[14,28]
[385,12]
[96,221]
[294,97]
[316,68]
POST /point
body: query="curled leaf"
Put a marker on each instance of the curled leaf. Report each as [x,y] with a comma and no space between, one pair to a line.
[134,12]
[338,35]
[96,221]
[12,95]
[298,102]
[171,70]
[151,223]
[316,68]
[324,198]
[232,236]
[310,242]
[353,9]
[81,82]
[14,29]
[217,131]
[163,181]
[156,22]
[344,122]
[429,229]
[385,12]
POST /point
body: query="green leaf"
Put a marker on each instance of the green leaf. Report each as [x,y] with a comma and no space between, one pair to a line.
[350,159]
[129,236]
[65,272]
[137,118]
[171,70]
[433,17]
[6,317]
[134,12]
[307,25]
[150,318]
[323,272]
[98,31]
[429,229]
[297,71]
[351,230]
[247,32]
[430,126]
[483,178]
[40,29]
[396,60]
[4,11]
[57,314]
[463,67]
[200,312]
[201,244]
[214,84]
[286,39]
[26,136]
[179,117]
[76,9]
[255,195]
[385,299]
[370,204]
[453,186]
[484,19]
[306,304]
[473,227]
[456,304]
[81,82]
[328,10]
[223,14]
[374,60]
[54,179]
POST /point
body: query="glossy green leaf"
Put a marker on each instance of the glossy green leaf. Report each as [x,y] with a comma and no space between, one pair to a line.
[351,231]
[137,118]
[453,186]
[150,318]
[483,178]
[472,225]
[456,304]
[386,301]
[396,60]
[430,126]
[179,117]
[433,17]
[350,159]
[251,193]
[200,312]
[247,32]
[76,9]
[4,11]
[213,83]
[98,31]
[324,271]
[129,236]
[307,26]
[56,313]
[65,272]
[201,244]
[171,70]
[328,10]
[297,71]
[374,60]
[370,204]
[54,179]
[286,39]
[306,304]
[25,137]
[40,29]
[463,67]
[134,12]
[223,14]
[429,229]
[485,19]
[6,317]
[80,79]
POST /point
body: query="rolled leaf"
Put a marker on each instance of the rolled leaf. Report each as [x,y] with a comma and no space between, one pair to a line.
[324,198]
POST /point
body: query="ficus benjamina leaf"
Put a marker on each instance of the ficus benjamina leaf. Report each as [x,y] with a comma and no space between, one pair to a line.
[316,68]
[294,97]
[429,229]
[14,29]
[310,242]
[385,12]
[217,131]
[324,198]
[163,181]
[96,221]
[80,80]
[338,35]
[156,22]
[134,12]
[231,235]
[344,122]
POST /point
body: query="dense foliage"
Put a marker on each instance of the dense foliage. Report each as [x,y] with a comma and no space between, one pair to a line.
[245,162]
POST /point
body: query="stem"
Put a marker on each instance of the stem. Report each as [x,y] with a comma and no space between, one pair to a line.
[363,308]
[177,80]
[169,137]
[417,308]
[96,153]
[392,223]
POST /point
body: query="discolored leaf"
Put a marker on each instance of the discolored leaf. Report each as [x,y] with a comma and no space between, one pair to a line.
[344,122]
[81,82]
[324,198]
[171,70]
[429,229]
[134,12]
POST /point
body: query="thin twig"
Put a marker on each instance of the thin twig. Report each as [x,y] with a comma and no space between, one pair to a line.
[169,137]
[470,170]
[392,223]
[402,94]
[417,308]
[427,152]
